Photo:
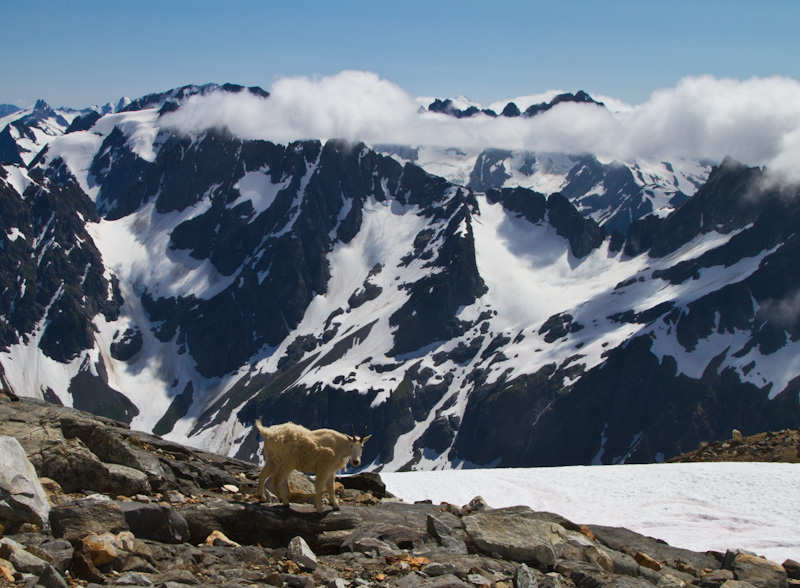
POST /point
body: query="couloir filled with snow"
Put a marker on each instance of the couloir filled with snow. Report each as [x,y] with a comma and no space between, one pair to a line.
[697,506]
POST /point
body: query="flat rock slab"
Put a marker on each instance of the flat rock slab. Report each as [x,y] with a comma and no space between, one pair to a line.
[513,537]
[627,541]
[408,515]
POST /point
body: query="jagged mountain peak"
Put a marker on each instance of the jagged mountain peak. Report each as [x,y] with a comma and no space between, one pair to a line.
[580,97]
[25,132]
[6,109]
[173,98]
[511,110]
[42,106]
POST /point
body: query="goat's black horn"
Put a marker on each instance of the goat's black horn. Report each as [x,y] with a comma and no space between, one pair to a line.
[354,432]
[365,433]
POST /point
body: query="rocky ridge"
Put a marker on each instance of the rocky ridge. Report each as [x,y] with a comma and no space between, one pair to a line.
[123,508]
[511,110]
[780,446]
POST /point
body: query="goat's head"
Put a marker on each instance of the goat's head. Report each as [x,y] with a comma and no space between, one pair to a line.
[356,447]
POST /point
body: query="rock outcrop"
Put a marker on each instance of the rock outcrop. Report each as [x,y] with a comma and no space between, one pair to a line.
[22,498]
[772,446]
[193,521]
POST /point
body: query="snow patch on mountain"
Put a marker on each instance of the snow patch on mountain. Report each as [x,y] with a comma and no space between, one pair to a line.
[257,187]
[139,126]
[17,178]
[387,234]
[130,244]
[78,150]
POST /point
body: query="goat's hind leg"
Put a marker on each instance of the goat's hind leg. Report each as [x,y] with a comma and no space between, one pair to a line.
[278,480]
[332,491]
[267,471]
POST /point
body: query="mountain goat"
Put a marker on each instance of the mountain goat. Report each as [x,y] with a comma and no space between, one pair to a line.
[290,447]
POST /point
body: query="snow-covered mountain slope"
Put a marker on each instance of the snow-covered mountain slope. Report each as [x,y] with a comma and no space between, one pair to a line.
[189,284]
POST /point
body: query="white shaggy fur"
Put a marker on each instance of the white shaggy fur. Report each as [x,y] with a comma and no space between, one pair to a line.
[290,447]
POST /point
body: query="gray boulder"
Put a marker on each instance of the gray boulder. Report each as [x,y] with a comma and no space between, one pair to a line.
[366,541]
[623,563]
[74,466]
[22,498]
[792,569]
[760,572]
[120,479]
[445,581]
[27,563]
[157,522]
[22,560]
[445,536]
[578,547]
[524,578]
[301,553]
[366,482]
[79,519]
[515,537]
[111,447]
[435,569]
[58,552]
[133,579]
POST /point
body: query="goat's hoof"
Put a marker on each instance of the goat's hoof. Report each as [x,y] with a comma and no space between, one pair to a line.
[262,498]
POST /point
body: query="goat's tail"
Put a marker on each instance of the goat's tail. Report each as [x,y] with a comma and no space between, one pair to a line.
[262,429]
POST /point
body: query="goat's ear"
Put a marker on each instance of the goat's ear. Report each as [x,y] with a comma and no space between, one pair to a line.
[365,439]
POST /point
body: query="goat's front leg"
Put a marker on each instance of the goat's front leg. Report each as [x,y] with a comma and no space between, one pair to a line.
[332,492]
[319,488]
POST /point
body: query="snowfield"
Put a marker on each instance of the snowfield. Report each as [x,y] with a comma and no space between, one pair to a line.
[697,506]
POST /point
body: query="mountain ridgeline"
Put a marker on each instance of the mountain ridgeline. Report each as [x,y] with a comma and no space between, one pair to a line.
[192,283]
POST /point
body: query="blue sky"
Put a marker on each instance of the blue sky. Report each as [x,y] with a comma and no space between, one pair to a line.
[86,52]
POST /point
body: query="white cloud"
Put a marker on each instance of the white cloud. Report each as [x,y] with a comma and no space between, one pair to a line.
[756,121]
[708,117]
[785,311]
